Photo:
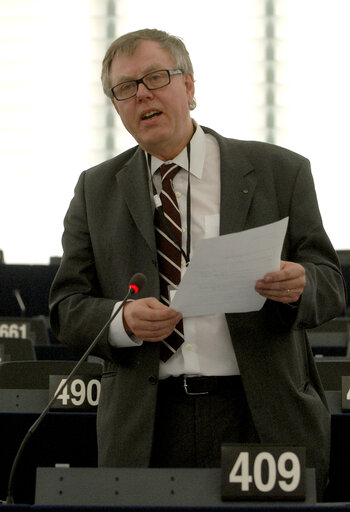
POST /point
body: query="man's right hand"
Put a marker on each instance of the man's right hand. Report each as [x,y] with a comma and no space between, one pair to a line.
[149,319]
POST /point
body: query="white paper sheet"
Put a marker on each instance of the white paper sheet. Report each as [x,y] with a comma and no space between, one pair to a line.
[223,271]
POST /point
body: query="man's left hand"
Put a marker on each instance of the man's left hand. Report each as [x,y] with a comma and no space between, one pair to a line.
[285,285]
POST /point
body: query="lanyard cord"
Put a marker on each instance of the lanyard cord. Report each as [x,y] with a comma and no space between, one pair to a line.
[158,204]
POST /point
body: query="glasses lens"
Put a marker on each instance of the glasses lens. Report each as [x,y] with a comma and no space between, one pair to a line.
[156,79]
[125,90]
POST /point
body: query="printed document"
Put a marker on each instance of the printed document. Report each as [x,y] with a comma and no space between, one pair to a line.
[223,271]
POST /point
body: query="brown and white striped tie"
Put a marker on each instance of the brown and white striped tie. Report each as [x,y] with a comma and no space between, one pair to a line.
[169,253]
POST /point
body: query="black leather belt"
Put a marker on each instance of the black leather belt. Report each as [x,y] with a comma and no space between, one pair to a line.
[199,385]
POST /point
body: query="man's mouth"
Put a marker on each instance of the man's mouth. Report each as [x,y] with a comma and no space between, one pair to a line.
[150,115]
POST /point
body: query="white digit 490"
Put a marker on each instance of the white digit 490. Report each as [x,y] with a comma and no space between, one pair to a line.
[79,392]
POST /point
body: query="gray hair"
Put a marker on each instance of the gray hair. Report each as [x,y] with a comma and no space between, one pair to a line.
[127,44]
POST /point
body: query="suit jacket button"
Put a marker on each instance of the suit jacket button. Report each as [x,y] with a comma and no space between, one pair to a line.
[152,379]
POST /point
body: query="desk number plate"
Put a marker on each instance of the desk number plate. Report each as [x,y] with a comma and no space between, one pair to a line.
[82,393]
[258,472]
[14,329]
[345,393]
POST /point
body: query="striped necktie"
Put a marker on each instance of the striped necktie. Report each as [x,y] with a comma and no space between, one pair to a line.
[169,242]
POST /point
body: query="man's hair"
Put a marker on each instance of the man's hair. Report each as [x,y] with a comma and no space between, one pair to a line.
[127,44]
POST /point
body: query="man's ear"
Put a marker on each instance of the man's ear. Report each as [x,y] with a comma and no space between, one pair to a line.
[189,84]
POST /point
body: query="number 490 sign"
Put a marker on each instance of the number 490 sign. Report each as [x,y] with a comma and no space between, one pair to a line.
[82,393]
[257,472]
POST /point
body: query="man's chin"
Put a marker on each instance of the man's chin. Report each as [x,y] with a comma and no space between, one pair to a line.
[153,144]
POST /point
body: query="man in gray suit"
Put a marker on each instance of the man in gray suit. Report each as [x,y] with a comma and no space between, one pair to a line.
[237,377]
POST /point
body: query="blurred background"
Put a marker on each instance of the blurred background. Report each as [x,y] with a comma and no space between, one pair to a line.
[284,65]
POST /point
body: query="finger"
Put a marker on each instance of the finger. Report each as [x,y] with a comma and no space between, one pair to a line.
[155,334]
[149,320]
[288,270]
[149,309]
[281,286]
[156,328]
[284,296]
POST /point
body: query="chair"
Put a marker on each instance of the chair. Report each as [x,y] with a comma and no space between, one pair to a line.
[331,370]
[331,338]
[25,386]
[57,352]
[16,349]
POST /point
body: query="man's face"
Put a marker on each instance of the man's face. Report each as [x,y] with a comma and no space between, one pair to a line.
[167,132]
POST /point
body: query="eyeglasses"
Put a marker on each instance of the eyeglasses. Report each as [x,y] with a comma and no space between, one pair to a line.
[154,80]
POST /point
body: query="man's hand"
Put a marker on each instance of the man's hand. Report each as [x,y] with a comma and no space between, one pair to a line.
[149,319]
[286,285]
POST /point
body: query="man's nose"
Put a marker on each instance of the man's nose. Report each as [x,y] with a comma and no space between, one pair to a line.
[143,92]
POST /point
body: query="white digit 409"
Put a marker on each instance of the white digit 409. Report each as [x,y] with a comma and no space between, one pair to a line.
[290,478]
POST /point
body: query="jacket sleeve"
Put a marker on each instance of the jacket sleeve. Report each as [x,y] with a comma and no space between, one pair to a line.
[77,308]
[307,243]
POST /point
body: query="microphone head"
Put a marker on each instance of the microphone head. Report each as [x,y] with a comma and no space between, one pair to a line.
[137,282]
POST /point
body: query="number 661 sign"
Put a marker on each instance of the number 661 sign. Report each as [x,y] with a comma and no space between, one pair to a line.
[257,472]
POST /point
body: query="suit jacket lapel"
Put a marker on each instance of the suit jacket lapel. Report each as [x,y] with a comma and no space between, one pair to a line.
[134,182]
[238,182]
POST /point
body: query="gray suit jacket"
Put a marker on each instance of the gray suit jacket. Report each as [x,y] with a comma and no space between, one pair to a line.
[109,236]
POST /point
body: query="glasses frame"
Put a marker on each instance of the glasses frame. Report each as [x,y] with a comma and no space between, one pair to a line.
[139,81]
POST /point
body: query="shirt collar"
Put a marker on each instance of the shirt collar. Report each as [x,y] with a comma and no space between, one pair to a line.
[198,149]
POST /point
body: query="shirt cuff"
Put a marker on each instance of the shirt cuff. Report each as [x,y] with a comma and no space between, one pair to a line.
[117,336]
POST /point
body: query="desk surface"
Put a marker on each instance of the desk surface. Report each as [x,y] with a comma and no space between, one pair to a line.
[339,470]
[268,507]
[71,438]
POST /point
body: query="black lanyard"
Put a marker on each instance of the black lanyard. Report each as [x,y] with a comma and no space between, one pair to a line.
[158,204]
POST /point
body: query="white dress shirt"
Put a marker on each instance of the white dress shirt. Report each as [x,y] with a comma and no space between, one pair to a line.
[207,349]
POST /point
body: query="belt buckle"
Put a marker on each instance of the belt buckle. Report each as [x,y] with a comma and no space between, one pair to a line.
[186,386]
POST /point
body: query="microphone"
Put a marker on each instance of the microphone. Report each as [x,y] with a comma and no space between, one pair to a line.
[136,283]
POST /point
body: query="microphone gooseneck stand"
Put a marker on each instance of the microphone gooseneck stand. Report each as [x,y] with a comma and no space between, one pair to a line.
[135,284]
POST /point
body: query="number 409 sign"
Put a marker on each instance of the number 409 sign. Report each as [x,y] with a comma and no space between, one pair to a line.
[256,472]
